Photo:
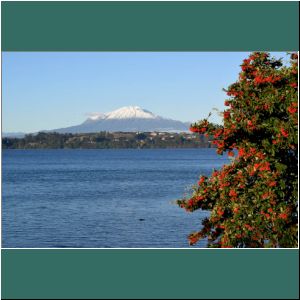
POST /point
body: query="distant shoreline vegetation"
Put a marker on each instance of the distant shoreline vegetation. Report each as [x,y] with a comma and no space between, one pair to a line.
[107,140]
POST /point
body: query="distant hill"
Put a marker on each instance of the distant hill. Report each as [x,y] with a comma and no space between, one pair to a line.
[13,134]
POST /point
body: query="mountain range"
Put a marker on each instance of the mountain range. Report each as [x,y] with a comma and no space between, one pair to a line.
[125,119]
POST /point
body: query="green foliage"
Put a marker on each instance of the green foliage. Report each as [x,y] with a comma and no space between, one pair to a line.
[253,201]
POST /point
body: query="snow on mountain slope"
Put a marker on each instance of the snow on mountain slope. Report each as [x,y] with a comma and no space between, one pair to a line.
[126,112]
[129,112]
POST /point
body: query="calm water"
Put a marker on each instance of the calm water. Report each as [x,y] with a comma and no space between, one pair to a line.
[96,198]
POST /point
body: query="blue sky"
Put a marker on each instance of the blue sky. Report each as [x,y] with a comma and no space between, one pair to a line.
[48,90]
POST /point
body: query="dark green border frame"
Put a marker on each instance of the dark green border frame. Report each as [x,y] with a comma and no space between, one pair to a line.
[150,26]
[150,274]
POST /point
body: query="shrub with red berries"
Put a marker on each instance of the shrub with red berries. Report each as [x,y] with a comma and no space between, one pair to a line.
[253,201]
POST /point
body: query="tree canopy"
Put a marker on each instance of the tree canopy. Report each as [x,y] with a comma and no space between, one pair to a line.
[253,200]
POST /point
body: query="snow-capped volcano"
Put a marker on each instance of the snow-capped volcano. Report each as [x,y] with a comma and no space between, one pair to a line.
[126,119]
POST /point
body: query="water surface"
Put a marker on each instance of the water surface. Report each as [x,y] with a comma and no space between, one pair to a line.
[101,198]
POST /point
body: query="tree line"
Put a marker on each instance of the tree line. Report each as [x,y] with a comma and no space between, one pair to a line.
[106,140]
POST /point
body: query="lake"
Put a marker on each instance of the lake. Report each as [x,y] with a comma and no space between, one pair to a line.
[101,198]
